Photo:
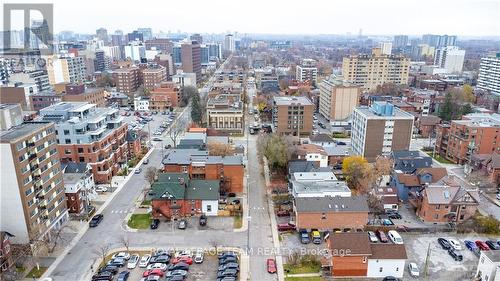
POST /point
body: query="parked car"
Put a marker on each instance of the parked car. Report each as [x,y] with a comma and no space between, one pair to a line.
[155,271]
[471,245]
[227,272]
[138,170]
[390,278]
[176,278]
[482,246]
[177,272]
[285,227]
[283,213]
[144,261]
[316,237]
[123,276]
[304,237]
[146,161]
[154,223]
[157,265]
[227,260]
[381,236]
[455,255]
[444,243]
[184,259]
[224,255]
[341,143]
[96,220]
[198,257]
[162,259]
[101,188]
[372,236]
[156,139]
[117,262]
[413,269]
[231,265]
[132,262]
[455,244]
[203,220]
[123,255]
[110,268]
[182,224]
[186,253]
[395,237]
[394,216]
[106,275]
[492,245]
[179,266]
[227,278]
[271,266]
[153,278]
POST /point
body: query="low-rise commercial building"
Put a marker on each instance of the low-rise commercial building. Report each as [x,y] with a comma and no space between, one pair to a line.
[164,96]
[225,113]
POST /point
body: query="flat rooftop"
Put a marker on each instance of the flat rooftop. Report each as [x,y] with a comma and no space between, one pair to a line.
[397,113]
[292,101]
[21,131]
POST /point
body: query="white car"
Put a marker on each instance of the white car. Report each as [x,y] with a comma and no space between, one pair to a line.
[101,189]
[157,265]
[455,244]
[198,257]
[413,268]
[144,261]
[123,255]
[132,262]
[372,236]
[184,253]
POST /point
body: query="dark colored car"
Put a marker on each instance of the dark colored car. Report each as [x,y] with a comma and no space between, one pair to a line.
[382,237]
[175,278]
[341,143]
[493,245]
[182,224]
[96,220]
[163,259]
[231,265]
[227,278]
[106,275]
[119,262]
[304,237]
[390,278]
[455,255]
[482,246]
[228,272]
[227,260]
[123,276]
[444,243]
[154,223]
[227,254]
[271,266]
[203,220]
[283,213]
[110,268]
[394,215]
[178,266]
[471,245]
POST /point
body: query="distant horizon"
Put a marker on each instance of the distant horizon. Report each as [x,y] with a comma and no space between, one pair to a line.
[464,18]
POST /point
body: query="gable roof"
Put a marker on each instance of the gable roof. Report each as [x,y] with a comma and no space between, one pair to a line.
[331,204]
[410,160]
[408,180]
[388,251]
[304,149]
[301,165]
[356,242]
[429,120]
[75,168]
[445,194]
[177,186]
[203,190]
[437,173]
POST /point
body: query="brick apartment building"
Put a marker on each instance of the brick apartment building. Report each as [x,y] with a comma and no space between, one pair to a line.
[191,58]
[331,213]
[90,134]
[292,115]
[153,75]
[127,79]
[79,93]
[476,133]
[229,170]
[164,96]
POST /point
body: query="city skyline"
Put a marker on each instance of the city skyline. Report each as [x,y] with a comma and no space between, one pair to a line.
[261,18]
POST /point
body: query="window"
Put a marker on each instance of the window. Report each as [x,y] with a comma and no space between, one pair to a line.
[380,269]
[209,208]
[365,259]
[397,268]
[438,206]
[436,216]
[80,150]
[66,132]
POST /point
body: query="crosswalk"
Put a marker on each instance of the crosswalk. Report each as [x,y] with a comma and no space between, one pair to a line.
[122,211]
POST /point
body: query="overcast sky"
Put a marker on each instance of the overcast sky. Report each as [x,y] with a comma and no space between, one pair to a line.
[413,17]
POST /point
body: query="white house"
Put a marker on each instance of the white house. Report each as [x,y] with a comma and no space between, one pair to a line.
[313,153]
[141,104]
[210,207]
[386,260]
[317,184]
[488,267]
[79,186]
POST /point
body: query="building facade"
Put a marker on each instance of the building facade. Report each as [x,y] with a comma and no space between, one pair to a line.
[450,58]
[66,69]
[489,74]
[225,113]
[191,58]
[32,201]
[370,71]
[337,99]
[79,93]
[307,71]
[380,129]
[164,96]
[88,134]
[153,75]
[292,115]
[126,79]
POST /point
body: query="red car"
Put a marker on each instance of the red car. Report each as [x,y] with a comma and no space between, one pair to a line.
[482,246]
[283,213]
[184,259]
[381,236]
[271,266]
[285,227]
[155,271]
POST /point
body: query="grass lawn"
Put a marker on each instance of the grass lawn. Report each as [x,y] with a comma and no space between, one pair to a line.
[340,135]
[146,203]
[237,222]
[302,268]
[139,221]
[34,273]
[439,158]
[317,278]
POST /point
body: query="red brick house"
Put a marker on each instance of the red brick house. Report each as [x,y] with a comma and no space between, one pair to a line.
[176,196]
[349,254]
[5,251]
[229,170]
[331,213]
[446,203]
[426,125]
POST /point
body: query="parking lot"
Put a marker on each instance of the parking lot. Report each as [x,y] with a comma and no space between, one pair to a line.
[213,223]
[441,266]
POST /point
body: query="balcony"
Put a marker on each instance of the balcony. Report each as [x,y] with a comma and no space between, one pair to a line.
[40,196]
[33,167]
[30,144]
[31,156]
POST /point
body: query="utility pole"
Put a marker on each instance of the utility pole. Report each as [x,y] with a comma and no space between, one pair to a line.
[426,267]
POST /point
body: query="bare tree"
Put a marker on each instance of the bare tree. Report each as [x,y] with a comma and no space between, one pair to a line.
[176,130]
[375,204]
[151,174]
[124,240]
[382,167]
[102,251]
[220,149]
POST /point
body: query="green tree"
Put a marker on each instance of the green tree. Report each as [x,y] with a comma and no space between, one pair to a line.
[196,109]
[446,110]
[187,93]
[275,148]
[466,109]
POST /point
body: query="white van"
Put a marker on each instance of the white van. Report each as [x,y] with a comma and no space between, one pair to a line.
[395,237]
